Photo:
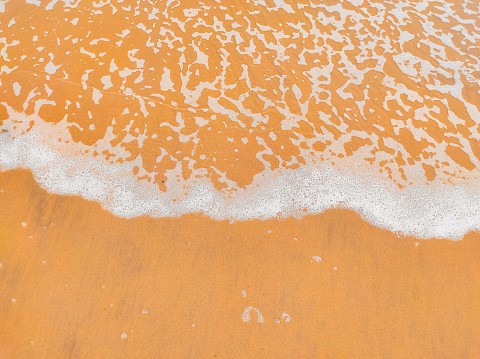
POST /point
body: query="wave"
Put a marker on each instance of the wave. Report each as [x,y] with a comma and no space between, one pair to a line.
[423,211]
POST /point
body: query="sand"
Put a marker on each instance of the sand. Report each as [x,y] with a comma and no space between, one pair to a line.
[78,282]
[136,105]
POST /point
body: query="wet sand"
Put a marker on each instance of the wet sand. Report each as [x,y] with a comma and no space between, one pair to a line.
[77,282]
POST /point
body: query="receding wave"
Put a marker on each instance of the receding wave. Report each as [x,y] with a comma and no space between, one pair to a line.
[424,211]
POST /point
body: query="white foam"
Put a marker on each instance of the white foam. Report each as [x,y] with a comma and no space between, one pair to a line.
[422,211]
[246,314]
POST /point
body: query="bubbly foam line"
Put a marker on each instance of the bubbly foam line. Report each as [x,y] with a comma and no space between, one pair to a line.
[421,211]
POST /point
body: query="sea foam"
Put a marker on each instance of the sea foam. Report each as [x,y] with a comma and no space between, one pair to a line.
[424,211]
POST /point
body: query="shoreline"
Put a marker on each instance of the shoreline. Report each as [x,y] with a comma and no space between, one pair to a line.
[433,210]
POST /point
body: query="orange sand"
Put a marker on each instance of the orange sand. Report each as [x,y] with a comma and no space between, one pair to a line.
[81,277]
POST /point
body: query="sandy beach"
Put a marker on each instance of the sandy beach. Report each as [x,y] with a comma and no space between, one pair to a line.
[239,179]
[78,282]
